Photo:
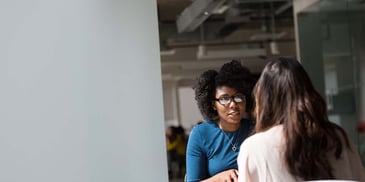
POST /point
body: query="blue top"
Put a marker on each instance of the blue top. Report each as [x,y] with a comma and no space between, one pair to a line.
[209,149]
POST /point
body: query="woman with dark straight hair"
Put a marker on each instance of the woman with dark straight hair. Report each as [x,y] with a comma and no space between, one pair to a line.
[294,139]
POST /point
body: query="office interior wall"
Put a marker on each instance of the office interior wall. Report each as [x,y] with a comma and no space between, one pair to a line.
[81,93]
[190,114]
[180,106]
[170,102]
[167,97]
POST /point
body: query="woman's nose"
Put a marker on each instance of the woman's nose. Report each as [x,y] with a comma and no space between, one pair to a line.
[232,104]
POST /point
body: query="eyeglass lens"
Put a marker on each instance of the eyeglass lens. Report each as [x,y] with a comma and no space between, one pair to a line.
[224,100]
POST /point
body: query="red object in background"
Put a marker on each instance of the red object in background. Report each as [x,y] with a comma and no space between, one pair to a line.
[361,127]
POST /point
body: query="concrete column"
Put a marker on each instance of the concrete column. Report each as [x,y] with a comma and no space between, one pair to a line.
[80,92]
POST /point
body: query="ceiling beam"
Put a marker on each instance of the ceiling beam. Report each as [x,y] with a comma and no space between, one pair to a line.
[195,14]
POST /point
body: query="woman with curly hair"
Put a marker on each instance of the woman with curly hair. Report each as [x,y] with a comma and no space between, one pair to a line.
[224,98]
[294,139]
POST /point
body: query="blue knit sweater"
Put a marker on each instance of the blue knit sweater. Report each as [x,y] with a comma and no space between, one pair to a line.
[209,149]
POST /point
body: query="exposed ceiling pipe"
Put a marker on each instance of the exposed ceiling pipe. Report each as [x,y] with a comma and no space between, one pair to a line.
[284,7]
[195,14]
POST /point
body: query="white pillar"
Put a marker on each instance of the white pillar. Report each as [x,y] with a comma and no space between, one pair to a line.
[80,91]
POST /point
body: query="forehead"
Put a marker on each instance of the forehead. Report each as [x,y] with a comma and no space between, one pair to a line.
[224,90]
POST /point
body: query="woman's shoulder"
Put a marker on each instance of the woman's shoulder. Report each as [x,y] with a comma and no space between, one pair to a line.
[266,137]
[204,127]
[205,124]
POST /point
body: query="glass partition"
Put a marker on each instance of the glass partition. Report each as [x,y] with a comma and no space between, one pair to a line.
[331,34]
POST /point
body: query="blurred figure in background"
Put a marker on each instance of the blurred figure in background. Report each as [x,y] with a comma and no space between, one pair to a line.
[294,139]
[176,148]
[223,98]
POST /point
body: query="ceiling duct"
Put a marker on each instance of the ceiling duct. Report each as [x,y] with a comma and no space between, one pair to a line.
[196,14]
[204,54]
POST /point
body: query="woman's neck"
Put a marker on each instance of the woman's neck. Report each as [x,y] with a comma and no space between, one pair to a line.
[230,127]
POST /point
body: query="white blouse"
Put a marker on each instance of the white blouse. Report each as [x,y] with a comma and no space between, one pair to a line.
[261,160]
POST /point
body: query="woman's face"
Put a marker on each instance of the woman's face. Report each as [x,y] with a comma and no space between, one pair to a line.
[169,131]
[232,111]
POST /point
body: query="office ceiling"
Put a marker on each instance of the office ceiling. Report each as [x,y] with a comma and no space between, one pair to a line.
[196,35]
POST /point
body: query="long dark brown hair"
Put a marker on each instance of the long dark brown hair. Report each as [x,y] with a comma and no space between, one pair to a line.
[284,94]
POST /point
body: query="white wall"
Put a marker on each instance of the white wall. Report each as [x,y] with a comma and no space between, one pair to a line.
[189,110]
[80,91]
[180,106]
[171,103]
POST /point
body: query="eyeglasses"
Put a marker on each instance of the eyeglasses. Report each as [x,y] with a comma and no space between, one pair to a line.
[226,100]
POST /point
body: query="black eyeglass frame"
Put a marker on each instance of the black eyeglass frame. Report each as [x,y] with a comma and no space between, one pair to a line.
[231,98]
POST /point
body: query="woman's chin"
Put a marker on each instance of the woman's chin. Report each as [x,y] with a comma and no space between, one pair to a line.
[235,119]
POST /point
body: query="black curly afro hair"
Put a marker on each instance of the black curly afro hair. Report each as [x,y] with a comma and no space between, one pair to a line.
[231,74]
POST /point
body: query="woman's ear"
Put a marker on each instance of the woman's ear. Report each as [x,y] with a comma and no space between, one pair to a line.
[213,106]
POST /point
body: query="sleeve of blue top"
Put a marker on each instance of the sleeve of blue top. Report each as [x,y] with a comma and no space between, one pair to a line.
[196,160]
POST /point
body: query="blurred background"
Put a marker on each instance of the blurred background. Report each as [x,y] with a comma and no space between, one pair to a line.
[204,34]
[327,36]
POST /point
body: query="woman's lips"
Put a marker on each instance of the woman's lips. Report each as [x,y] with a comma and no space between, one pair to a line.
[234,113]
